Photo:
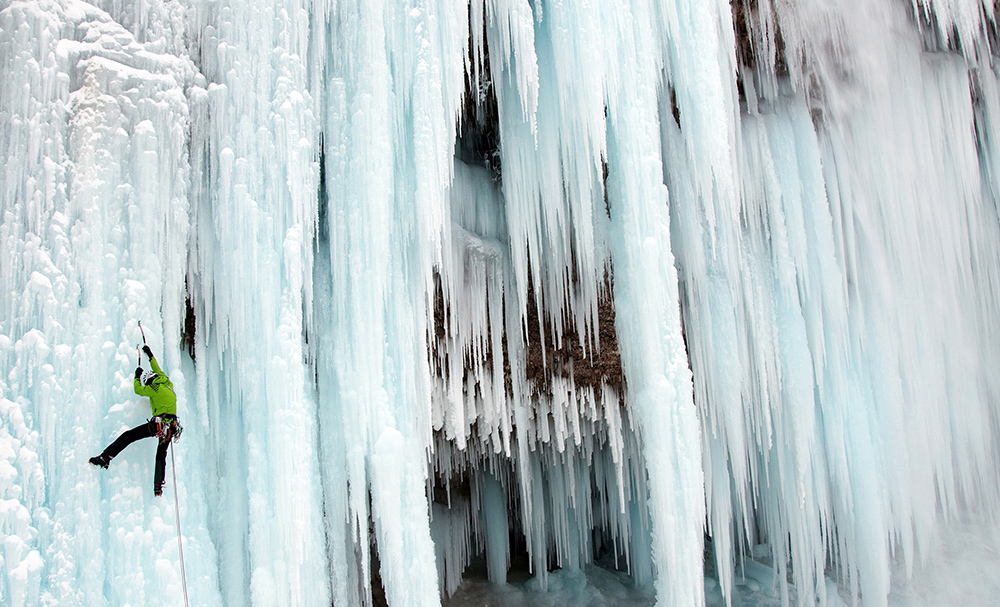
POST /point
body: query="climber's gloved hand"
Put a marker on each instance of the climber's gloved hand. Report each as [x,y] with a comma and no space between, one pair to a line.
[148,352]
[138,372]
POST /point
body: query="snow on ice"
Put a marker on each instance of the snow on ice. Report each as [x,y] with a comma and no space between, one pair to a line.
[632,302]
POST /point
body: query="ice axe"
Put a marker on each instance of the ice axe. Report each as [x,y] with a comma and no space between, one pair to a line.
[143,343]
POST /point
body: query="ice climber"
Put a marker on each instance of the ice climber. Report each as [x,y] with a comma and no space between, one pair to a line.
[157,386]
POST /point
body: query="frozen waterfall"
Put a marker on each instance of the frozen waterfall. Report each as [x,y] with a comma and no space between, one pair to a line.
[513,302]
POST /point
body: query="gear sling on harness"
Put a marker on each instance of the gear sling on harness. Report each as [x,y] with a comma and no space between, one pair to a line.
[167,427]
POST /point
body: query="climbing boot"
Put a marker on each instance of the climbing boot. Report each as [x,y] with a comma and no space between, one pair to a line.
[101,460]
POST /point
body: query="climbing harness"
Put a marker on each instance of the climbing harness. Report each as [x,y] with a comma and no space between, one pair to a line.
[168,427]
[177,516]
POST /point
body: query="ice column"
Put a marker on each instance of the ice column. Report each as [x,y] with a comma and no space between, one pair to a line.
[392,89]
[251,277]
[648,325]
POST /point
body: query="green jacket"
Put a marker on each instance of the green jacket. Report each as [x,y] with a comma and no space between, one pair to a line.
[161,392]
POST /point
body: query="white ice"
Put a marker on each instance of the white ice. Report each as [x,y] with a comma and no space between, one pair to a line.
[376,246]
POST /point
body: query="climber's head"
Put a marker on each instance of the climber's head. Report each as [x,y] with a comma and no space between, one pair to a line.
[148,377]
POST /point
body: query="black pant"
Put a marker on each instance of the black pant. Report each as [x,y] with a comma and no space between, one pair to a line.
[147,430]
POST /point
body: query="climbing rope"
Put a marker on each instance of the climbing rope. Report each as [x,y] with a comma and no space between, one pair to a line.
[177,514]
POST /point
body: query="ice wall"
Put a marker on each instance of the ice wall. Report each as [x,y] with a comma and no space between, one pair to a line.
[537,283]
[856,259]
[95,234]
